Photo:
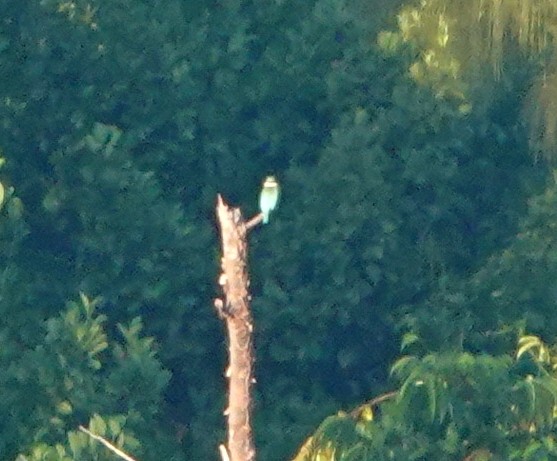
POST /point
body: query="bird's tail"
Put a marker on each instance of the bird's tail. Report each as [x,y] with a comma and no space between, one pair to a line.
[265,218]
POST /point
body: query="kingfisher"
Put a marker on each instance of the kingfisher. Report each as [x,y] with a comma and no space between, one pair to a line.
[269,197]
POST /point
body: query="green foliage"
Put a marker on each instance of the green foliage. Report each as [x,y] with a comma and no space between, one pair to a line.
[499,284]
[124,121]
[459,47]
[77,373]
[400,211]
[82,446]
[408,196]
[450,406]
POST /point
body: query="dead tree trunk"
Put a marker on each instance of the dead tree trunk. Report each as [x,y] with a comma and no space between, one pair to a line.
[235,311]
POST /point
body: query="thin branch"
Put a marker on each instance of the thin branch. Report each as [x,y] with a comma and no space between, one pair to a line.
[355,413]
[223,453]
[107,444]
[258,218]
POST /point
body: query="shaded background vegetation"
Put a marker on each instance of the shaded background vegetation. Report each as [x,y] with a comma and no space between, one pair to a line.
[410,197]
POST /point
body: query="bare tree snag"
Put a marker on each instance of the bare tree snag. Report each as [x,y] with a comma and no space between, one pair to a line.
[235,311]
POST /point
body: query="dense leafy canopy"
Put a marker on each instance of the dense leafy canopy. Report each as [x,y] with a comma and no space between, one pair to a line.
[412,212]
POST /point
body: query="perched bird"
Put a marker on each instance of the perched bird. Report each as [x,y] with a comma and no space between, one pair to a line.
[269,197]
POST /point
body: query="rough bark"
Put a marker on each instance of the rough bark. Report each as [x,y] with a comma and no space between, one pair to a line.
[235,311]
